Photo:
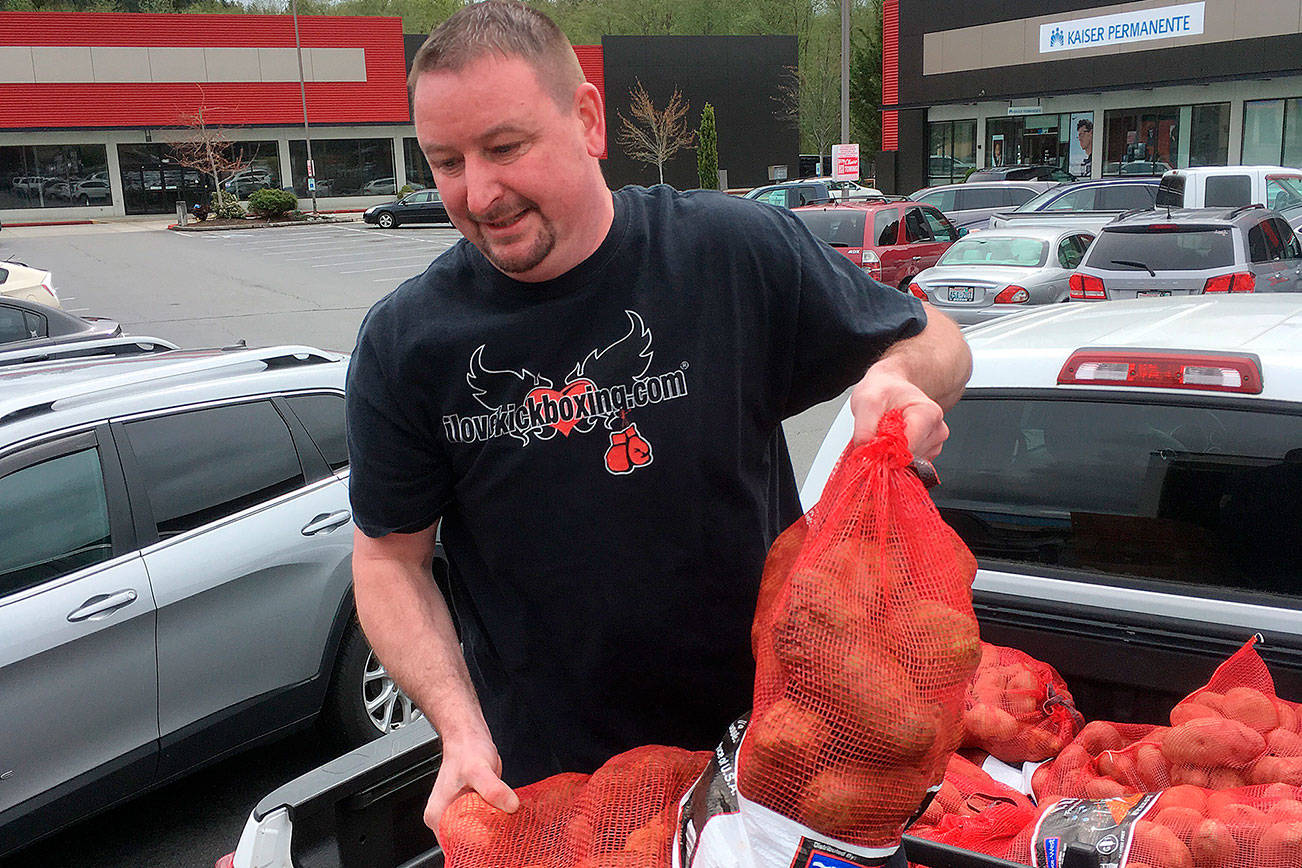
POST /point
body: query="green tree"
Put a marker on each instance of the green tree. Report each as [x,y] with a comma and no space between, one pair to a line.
[866,82]
[707,150]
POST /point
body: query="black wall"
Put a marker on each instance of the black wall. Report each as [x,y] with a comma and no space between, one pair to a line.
[738,75]
[1244,58]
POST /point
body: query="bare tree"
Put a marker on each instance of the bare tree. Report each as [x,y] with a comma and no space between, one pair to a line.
[206,149]
[809,97]
[654,135]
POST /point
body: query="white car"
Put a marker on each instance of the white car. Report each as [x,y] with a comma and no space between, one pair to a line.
[1129,477]
[29,284]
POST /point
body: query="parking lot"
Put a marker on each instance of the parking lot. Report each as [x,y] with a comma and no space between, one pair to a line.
[292,285]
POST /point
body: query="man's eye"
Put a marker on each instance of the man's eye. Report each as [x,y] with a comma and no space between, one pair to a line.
[505,150]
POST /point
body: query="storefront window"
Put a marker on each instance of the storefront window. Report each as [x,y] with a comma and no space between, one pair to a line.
[1272,132]
[261,161]
[153,181]
[345,167]
[419,175]
[1209,135]
[1003,141]
[54,176]
[1141,141]
[951,152]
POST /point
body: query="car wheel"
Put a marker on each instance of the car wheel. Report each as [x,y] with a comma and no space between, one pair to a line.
[364,702]
[386,220]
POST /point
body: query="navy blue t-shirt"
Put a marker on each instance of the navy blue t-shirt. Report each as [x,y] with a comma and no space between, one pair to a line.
[606,454]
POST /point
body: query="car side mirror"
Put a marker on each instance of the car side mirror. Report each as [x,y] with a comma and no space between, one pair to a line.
[962,230]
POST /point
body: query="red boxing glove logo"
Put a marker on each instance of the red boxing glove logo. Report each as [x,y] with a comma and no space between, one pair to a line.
[628,451]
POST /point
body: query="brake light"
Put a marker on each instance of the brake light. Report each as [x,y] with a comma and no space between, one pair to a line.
[226,861]
[1086,287]
[917,291]
[873,263]
[1013,295]
[1242,281]
[1155,369]
[1164,227]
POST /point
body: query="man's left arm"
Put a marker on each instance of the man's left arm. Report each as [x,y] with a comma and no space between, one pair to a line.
[924,375]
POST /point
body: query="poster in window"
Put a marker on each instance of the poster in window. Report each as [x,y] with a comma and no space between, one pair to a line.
[1081,144]
[997,150]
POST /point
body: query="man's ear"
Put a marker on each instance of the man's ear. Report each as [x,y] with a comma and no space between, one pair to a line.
[592,116]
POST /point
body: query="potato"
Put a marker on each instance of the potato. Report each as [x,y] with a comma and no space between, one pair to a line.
[652,841]
[1251,707]
[1184,796]
[1288,715]
[989,725]
[1284,742]
[1285,810]
[1242,819]
[1187,711]
[1119,766]
[942,640]
[1182,821]
[1160,847]
[1189,775]
[1153,770]
[784,737]
[1212,845]
[1098,736]
[1210,743]
[1213,700]
[777,566]
[1225,779]
[1103,788]
[1281,844]
[1277,769]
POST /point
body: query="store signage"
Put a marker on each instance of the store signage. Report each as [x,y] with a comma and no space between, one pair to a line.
[1018,110]
[845,162]
[1122,28]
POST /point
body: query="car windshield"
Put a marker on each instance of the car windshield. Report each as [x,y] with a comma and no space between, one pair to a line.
[986,249]
[839,227]
[1190,248]
[1038,202]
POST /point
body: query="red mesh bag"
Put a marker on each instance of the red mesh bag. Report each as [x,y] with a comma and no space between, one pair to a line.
[863,648]
[967,791]
[1247,827]
[1017,708]
[620,816]
[1232,733]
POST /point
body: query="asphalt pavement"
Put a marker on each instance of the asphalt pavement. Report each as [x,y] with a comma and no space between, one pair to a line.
[301,285]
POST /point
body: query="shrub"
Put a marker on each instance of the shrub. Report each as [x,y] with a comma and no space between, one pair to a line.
[226,206]
[707,150]
[271,203]
[406,188]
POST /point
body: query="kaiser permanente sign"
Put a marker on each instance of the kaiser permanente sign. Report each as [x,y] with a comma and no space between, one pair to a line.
[1122,28]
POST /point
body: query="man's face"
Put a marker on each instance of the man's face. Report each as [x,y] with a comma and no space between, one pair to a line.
[1086,137]
[511,165]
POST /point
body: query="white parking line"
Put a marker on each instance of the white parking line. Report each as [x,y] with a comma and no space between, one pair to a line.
[281,238]
[355,250]
[391,235]
[373,260]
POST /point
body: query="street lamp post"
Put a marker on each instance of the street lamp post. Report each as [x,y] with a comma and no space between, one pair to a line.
[302,89]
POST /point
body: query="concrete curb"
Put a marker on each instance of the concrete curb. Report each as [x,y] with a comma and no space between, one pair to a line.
[320,221]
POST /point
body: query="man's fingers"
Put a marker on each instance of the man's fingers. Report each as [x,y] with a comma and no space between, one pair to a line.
[491,788]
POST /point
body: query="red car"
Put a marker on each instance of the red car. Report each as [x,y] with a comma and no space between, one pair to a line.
[892,241]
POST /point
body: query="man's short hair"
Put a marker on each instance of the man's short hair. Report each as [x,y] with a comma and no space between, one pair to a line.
[1085,124]
[505,28]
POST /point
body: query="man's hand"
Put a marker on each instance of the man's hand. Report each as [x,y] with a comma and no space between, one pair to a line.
[881,390]
[469,765]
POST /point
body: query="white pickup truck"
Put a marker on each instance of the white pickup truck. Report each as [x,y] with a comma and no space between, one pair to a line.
[1277,187]
[1129,477]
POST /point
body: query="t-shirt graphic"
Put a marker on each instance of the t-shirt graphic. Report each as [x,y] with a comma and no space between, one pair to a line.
[602,388]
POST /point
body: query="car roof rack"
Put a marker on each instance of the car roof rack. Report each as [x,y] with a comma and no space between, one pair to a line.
[1239,210]
[272,357]
[121,345]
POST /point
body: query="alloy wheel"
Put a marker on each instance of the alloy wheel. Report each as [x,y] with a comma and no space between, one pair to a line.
[386,705]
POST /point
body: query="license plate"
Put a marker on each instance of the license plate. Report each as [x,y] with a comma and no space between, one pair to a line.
[1155,293]
[960,293]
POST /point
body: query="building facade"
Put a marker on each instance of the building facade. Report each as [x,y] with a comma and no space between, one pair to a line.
[1100,90]
[92,106]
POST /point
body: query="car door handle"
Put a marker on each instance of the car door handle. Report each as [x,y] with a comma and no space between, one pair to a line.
[103,604]
[917,259]
[326,522]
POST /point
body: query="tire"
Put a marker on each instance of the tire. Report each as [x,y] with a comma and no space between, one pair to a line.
[357,679]
[386,221]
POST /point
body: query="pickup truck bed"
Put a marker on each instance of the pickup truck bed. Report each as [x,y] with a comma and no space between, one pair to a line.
[364,810]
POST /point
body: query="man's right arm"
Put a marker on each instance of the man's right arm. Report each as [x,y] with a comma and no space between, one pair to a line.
[407,622]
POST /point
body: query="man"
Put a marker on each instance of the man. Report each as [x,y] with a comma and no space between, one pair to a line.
[1085,135]
[587,394]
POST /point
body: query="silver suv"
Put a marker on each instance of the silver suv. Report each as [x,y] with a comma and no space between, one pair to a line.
[1190,251]
[175,579]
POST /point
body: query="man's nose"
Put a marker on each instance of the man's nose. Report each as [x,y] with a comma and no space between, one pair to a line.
[483,187]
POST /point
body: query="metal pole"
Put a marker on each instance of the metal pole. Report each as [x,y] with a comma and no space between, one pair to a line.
[302,89]
[845,71]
